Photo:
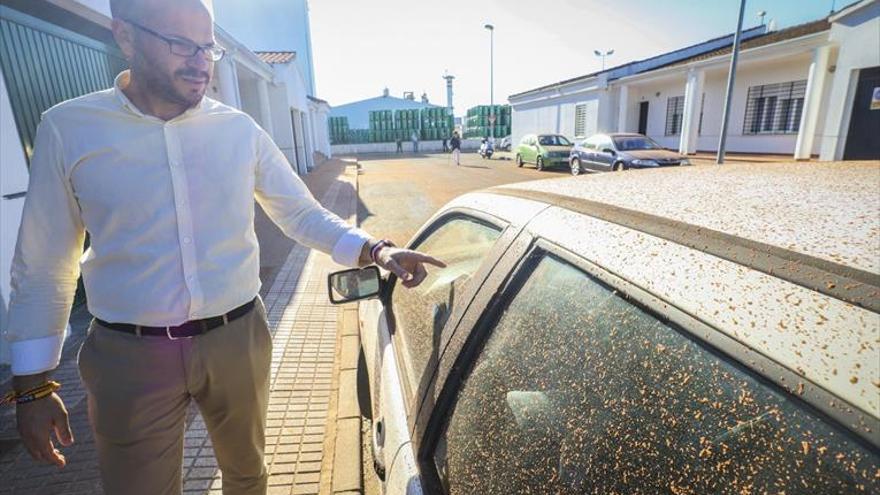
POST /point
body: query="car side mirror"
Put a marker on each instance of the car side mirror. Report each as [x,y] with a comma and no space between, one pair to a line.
[609,151]
[353,285]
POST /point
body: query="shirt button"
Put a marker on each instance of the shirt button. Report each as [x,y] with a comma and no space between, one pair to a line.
[190,278]
[187,240]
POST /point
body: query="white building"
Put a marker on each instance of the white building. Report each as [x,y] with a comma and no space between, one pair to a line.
[64,48]
[270,25]
[798,91]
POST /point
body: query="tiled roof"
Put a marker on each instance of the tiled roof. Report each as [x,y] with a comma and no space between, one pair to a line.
[276,57]
[317,100]
[767,39]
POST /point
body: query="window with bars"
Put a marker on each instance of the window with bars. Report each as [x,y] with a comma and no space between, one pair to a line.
[674,113]
[775,108]
[580,120]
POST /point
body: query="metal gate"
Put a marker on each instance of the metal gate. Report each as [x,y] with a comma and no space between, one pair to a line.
[44,64]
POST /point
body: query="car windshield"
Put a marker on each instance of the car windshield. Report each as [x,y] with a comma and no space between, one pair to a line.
[554,141]
[631,143]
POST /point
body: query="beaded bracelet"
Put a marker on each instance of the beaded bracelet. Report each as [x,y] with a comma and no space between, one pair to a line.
[39,392]
[374,251]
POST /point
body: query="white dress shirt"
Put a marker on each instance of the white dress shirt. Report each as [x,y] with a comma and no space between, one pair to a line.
[169,208]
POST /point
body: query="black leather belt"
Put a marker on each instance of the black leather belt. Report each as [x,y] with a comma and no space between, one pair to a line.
[185,330]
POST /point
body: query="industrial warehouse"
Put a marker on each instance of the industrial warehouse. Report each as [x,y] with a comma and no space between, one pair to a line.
[803,91]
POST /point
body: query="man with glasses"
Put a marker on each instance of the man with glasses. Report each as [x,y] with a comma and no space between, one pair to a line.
[163,179]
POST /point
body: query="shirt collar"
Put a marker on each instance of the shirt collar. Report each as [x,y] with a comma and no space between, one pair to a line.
[123,79]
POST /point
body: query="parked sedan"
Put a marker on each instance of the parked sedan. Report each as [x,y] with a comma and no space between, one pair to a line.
[619,151]
[663,332]
[544,150]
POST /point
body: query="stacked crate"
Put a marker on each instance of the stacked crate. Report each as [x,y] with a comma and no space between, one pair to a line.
[436,124]
[339,131]
[382,126]
[358,136]
[406,122]
[477,123]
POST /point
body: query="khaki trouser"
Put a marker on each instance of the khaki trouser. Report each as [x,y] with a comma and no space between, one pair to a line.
[139,389]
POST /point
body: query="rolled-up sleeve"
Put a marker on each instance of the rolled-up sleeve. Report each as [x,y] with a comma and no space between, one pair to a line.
[290,204]
[45,265]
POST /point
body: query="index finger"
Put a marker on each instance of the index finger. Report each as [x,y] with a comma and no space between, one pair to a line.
[424,258]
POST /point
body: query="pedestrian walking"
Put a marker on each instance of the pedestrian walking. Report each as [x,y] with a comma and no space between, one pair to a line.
[415,141]
[455,143]
[445,146]
[164,179]
[399,145]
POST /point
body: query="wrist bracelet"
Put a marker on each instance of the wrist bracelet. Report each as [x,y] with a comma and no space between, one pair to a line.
[374,251]
[39,392]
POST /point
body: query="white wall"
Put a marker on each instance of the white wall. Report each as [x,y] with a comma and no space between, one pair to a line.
[858,38]
[749,73]
[657,95]
[556,115]
[13,179]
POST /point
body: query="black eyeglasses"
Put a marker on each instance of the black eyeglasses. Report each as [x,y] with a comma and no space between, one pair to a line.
[183,47]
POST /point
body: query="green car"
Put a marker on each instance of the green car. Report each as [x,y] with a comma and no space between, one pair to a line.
[544,150]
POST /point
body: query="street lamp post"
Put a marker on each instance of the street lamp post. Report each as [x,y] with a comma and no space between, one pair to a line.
[731,77]
[602,55]
[491,29]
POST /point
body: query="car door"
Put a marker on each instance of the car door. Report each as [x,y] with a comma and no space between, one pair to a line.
[529,153]
[573,381]
[521,148]
[406,346]
[604,155]
[588,152]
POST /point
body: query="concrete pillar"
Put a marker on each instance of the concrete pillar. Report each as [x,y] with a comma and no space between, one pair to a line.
[812,101]
[623,109]
[228,76]
[605,119]
[693,94]
[307,141]
[299,137]
[265,112]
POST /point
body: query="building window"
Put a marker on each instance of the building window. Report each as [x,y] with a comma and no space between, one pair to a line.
[674,112]
[580,120]
[775,108]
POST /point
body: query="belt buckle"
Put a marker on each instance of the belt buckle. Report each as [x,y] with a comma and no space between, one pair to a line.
[171,337]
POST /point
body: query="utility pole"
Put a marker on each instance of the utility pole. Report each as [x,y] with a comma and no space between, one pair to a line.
[492,117]
[725,119]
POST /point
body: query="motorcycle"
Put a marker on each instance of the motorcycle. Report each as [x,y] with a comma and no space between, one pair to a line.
[486,150]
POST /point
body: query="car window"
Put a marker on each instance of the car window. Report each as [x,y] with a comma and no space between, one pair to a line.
[421,312]
[593,142]
[577,390]
[630,143]
[604,143]
[553,141]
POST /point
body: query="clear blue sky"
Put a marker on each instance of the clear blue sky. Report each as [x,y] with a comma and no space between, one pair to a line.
[363,46]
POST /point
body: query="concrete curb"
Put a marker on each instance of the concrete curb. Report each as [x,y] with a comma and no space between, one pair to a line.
[342,467]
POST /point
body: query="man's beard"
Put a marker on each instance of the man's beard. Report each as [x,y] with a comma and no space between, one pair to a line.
[162,85]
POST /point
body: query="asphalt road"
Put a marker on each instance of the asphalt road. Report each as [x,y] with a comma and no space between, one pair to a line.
[398,193]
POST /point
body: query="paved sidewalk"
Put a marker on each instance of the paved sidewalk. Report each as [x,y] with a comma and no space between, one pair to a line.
[304,327]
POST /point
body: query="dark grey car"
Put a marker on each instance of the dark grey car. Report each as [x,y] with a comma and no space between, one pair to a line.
[621,151]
